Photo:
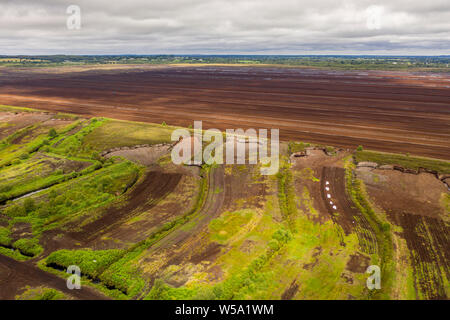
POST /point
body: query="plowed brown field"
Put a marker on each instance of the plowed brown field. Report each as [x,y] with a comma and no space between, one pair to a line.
[387,111]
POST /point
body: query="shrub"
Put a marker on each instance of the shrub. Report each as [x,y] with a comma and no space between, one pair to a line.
[360,148]
[282,235]
[53,194]
[274,245]
[44,212]
[15,211]
[41,293]
[24,156]
[29,205]
[28,247]
[91,262]
[52,133]
[5,240]
[59,200]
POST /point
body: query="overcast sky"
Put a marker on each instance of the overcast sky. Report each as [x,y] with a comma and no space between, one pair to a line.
[226,27]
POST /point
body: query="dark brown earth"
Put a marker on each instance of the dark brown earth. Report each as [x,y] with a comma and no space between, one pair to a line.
[15,275]
[429,245]
[358,263]
[401,112]
[290,292]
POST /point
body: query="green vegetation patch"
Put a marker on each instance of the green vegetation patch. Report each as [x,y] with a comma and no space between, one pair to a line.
[228,224]
[61,203]
[286,194]
[92,263]
[5,239]
[28,247]
[115,133]
[38,172]
[5,108]
[380,226]
[41,293]
[405,161]
[75,144]
[294,147]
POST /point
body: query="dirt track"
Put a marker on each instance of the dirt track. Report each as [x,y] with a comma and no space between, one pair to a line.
[387,111]
[346,214]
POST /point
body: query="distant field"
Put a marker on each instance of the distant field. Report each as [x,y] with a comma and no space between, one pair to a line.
[432,64]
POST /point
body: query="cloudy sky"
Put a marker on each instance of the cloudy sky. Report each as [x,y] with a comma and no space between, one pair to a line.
[225,27]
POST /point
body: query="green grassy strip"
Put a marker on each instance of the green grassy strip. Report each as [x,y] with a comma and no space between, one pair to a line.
[43,140]
[25,152]
[41,293]
[405,161]
[91,263]
[13,253]
[16,109]
[286,195]
[382,231]
[46,182]
[73,145]
[19,133]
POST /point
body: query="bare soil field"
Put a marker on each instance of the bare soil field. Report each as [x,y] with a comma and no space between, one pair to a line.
[395,191]
[387,111]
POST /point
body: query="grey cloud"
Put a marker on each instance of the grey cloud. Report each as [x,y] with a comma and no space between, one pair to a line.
[219,26]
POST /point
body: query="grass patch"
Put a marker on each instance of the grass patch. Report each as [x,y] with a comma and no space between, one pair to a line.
[41,293]
[92,263]
[5,239]
[405,161]
[286,194]
[5,108]
[75,144]
[63,202]
[36,173]
[294,147]
[28,247]
[115,133]
[228,224]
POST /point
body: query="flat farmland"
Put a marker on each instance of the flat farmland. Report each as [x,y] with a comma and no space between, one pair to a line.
[401,112]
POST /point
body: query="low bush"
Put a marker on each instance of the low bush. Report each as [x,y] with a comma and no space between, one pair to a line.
[91,262]
[28,247]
